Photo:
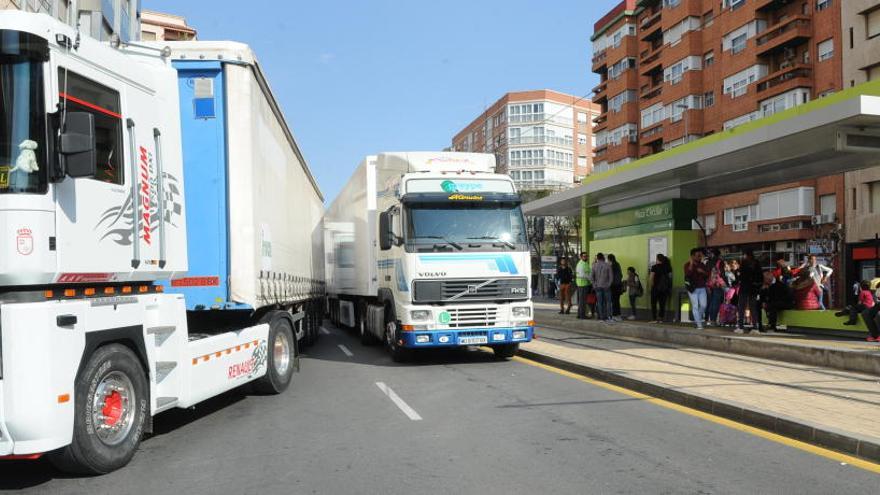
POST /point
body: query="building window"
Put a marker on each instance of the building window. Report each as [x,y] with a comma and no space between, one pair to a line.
[582,118]
[828,204]
[708,99]
[826,49]
[582,161]
[709,58]
[873,197]
[823,4]
[582,138]
[738,44]
[872,73]
[798,201]
[740,217]
[872,23]
[668,4]
[708,19]
[733,4]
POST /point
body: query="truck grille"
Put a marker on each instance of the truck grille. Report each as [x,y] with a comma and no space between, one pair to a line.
[472,317]
[502,289]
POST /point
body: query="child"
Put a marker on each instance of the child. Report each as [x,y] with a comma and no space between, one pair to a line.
[773,297]
[864,300]
[634,289]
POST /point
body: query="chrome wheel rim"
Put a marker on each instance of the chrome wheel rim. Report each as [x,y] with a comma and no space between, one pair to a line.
[113,408]
[281,353]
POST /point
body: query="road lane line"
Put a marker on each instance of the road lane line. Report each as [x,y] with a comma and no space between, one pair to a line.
[773,437]
[346,351]
[403,406]
[325,331]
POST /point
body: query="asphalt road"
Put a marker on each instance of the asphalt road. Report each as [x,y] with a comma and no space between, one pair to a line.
[452,422]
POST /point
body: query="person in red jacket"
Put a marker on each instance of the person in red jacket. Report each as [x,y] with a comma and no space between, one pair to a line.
[806,292]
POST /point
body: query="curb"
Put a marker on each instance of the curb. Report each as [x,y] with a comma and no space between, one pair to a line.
[786,426]
[841,359]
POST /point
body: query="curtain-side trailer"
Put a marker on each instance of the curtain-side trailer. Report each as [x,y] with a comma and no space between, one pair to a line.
[160,238]
[427,250]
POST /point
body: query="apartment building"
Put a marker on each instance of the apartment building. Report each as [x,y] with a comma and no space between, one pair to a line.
[861,63]
[672,71]
[543,139]
[100,19]
[160,26]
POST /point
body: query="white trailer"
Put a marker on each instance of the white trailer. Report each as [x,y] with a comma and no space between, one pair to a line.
[428,249]
[159,238]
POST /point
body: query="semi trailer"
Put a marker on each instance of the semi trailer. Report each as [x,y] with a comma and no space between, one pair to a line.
[160,238]
[429,250]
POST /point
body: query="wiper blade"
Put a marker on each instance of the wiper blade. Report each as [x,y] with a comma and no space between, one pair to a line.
[444,239]
[493,239]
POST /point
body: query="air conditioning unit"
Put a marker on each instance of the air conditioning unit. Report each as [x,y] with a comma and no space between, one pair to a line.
[824,219]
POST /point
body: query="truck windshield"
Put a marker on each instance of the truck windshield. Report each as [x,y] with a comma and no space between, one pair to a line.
[493,225]
[22,118]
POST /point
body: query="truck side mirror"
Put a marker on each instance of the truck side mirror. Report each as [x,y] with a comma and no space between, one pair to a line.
[77,145]
[385,233]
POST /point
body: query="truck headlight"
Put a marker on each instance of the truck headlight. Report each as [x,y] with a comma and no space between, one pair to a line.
[519,335]
[522,312]
[420,315]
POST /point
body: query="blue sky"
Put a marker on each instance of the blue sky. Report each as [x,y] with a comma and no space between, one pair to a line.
[360,77]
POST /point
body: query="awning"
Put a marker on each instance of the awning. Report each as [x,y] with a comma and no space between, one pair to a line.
[834,134]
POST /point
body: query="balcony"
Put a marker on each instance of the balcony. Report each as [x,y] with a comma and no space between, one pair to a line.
[797,75]
[790,32]
[649,23]
[652,92]
[770,5]
[559,141]
[600,57]
[601,87]
[652,133]
[654,66]
[650,56]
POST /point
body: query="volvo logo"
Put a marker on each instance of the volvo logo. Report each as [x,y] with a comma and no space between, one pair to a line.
[517,290]
[472,289]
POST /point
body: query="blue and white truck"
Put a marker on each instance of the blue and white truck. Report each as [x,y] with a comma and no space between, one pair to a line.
[429,250]
[160,238]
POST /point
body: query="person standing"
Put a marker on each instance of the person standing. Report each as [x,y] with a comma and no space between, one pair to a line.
[715,286]
[661,285]
[820,274]
[602,277]
[774,298]
[582,279]
[634,290]
[564,276]
[695,277]
[616,286]
[751,277]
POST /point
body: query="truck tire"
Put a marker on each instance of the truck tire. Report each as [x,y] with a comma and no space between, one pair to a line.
[111,404]
[281,354]
[398,354]
[505,351]
[310,333]
[365,335]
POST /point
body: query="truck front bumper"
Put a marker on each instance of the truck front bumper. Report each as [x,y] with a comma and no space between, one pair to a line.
[467,336]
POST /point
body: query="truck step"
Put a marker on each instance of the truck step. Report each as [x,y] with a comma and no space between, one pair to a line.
[165,402]
[163,368]
[161,333]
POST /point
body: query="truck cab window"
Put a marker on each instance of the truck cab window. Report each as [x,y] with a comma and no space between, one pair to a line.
[79,94]
[22,121]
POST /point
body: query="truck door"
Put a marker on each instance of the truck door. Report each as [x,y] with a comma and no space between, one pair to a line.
[97,238]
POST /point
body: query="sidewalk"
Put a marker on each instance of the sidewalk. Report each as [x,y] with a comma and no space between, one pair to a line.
[841,352]
[835,409]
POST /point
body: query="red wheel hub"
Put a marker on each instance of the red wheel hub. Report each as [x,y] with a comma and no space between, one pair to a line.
[112,409]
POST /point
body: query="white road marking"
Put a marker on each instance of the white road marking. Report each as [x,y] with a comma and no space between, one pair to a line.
[346,351]
[410,412]
[325,331]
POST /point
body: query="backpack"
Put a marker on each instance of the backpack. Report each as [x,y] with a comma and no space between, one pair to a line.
[727,314]
[640,291]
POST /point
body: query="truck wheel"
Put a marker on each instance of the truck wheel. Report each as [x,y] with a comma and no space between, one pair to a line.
[310,335]
[366,337]
[281,353]
[505,351]
[111,403]
[398,354]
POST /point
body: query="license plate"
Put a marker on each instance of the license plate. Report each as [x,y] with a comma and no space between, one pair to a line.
[473,340]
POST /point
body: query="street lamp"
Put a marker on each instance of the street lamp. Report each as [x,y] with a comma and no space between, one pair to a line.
[685,107]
